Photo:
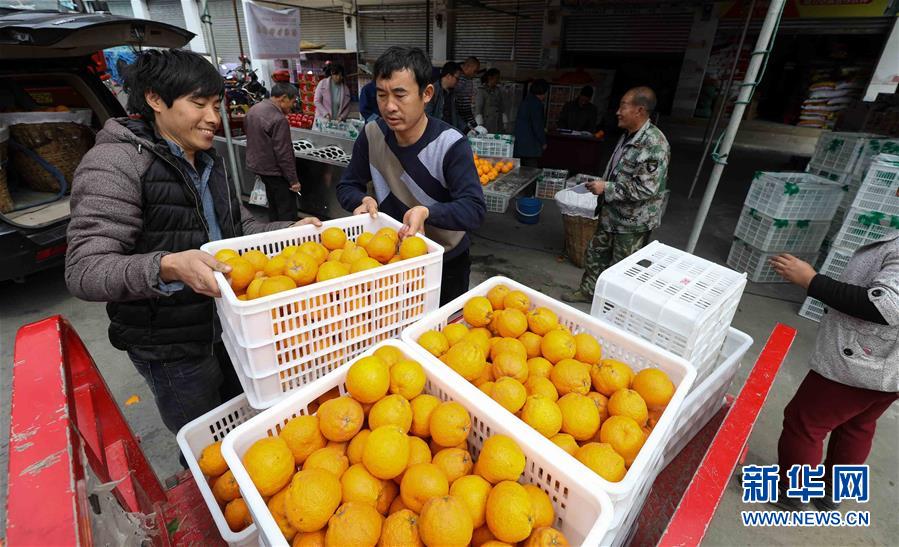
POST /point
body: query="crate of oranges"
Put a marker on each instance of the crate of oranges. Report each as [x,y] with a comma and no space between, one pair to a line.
[491,169]
[595,394]
[300,301]
[385,452]
[200,442]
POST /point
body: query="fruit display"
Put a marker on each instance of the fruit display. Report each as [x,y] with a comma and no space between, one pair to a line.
[224,487]
[597,409]
[490,170]
[302,121]
[255,275]
[386,463]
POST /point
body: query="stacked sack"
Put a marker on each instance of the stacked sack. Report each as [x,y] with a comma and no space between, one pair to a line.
[826,99]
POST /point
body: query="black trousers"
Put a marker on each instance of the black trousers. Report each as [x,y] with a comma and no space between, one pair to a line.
[282,202]
[456,272]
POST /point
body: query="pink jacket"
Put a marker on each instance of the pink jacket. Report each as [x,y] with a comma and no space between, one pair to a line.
[323,100]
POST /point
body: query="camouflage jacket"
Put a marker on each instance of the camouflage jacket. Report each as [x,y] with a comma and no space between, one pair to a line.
[632,200]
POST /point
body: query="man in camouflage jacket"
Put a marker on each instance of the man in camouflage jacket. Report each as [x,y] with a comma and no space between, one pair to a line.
[630,191]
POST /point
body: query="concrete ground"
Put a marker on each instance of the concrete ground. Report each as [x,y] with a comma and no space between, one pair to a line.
[532,255]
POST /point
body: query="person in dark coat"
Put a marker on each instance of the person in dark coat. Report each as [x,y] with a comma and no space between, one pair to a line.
[530,124]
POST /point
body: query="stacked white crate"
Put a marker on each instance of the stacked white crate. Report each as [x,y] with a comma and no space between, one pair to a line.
[874,215]
[783,212]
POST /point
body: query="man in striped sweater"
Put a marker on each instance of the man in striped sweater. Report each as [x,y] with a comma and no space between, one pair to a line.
[421,168]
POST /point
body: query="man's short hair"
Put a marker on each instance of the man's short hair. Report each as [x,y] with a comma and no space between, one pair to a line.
[490,73]
[450,67]
[587,91]
[473,60]
[171,74]
[644,96]
[282,88]
[399,58]
[335,69]
[540,87]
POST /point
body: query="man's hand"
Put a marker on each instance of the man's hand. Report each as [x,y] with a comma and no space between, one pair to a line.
[195,269]
[794,270]
[295,186]
[414,221]
[369,205]
[596,186]
[306,221]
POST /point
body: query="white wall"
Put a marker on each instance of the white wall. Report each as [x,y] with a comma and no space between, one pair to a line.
[886,75]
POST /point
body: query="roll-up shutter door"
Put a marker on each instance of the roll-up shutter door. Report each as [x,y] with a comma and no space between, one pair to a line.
[322,27]
[120,7]
[391,25]
[665,32]
[849,25]
[166,11]
[491,33]
[224,30]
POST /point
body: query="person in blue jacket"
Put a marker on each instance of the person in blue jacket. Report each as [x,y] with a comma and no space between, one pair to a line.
[368,102]
[530,135]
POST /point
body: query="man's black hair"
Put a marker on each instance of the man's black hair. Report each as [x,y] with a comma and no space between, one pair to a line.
[283,88]
[644,96]
[540,87]
[171,74]
[587,91]
[450,67]
[335,69]
[404,58]
[490,73]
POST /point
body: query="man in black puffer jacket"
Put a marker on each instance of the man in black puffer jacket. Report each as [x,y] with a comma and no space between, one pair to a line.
[144,199]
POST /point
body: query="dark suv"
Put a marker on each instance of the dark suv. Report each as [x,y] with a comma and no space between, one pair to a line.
[48,58]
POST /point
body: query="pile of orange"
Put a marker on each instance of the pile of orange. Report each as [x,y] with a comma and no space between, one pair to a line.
[488,170]
[387,464]
[254,274]
[224,487]
[557,382]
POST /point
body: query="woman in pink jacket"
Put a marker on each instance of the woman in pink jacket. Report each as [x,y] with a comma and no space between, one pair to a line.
[332,96]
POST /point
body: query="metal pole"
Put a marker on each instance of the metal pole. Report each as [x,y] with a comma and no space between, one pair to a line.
[226,124]
[766,37]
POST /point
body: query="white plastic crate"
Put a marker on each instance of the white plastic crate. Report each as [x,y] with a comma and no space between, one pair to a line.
[675,300]
[794,196]
[493,145]
[880,189]
[836,262]
[812,309]
[616,344]
[771,234]
[583,512]
[839,151]
[864,227]
[499,193]
[292,337]
[746,258]
[552,181]
[200,433]
[871,148]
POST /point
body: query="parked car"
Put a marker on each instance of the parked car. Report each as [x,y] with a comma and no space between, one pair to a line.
[46,62]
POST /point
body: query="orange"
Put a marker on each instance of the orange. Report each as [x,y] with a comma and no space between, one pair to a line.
[257,258]
[486,376]
[511,345]
[512,323]
[501,459]
[547,537]
[482,535]
[276,505]
[419,452]
[381,248]
[313,496]
[512,365]
[566,442]
[390,492]
[329,458]
[445,522]
[333,238]
[241,274]
[422,407]
[254,287]
[473,490]
[654,417]
[487,387]
[316,250]
[303,437]
[580,417]
[493,327]
[331,270]
[517,300]
[396,505]
[340,447]
[301,268]
[479,339]
[627,402]
[422,482]
[544,513]
[571,376]
[603,460]
[610,376]
[454,333]
[386,452]
[449,424]
[364,263]
[557,345]
[434,341]
[356,446]
[509,393]
[538,366]
[212,464]
[226,254]
[400,530]
[358,485]
[340,419]
[412,247]
[510,513]
[309,539]
[270,464]
[225,487]
[353,254]
[391,355]
[466,359]
[407,379]
[242,297]
[364,239]
[542,414]
[477,311]
[537,385]
[276,284]
[496,295]
[484,180]
[588,349]
[624,435]
[531,343]
[389,232]
[542,320]
[454,462]
[275,266]
[654,386]
[237,515]
[334,256]
[392,410]
[602,404]
[354,524]
[368,379]
[289,251]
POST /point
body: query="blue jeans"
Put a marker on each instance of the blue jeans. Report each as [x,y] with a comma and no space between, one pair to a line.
[187,388]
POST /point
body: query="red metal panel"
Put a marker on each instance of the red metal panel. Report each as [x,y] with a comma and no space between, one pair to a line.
[691,520]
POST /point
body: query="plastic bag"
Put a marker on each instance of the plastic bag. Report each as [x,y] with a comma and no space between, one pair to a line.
[258,195]
[577,201]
